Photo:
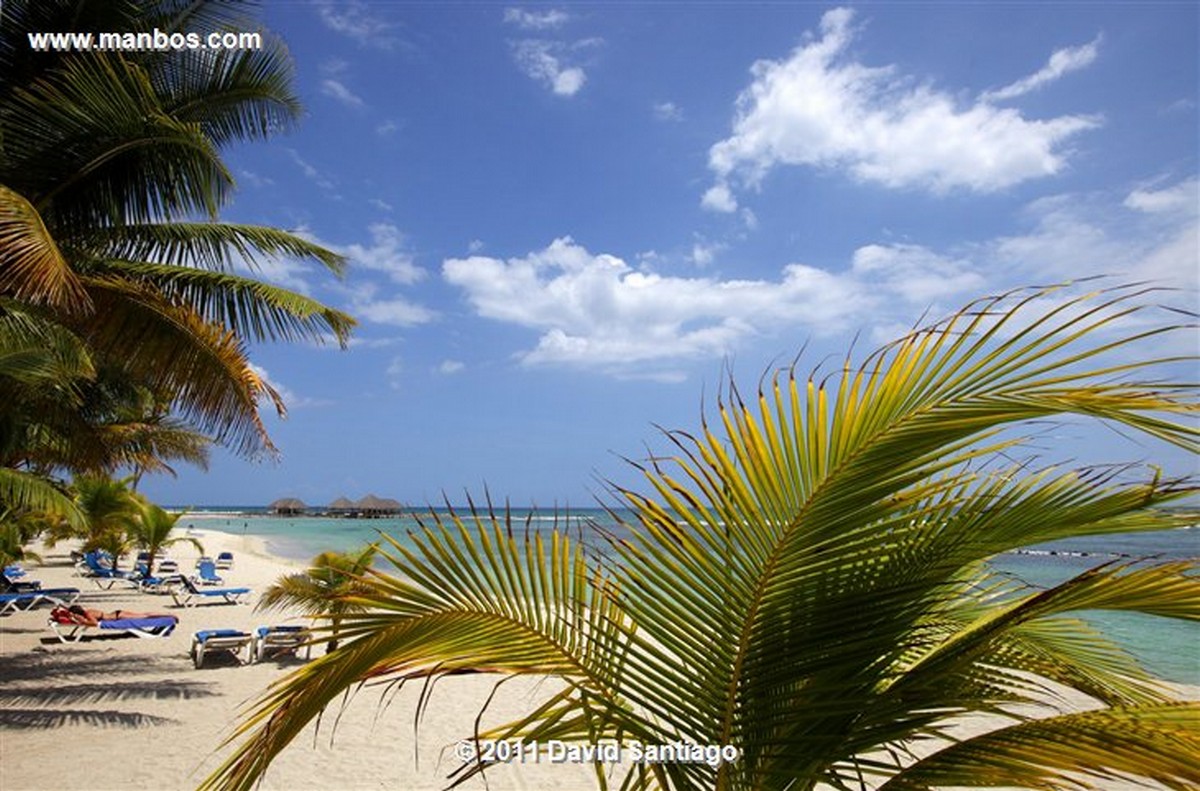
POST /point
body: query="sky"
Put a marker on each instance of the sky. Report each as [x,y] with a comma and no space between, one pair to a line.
[567,224]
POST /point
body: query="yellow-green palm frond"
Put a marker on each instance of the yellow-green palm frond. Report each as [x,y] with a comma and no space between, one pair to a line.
[807,576]
[1157,743]
[467,596]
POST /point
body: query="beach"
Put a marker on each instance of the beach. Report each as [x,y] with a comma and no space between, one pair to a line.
[130,713]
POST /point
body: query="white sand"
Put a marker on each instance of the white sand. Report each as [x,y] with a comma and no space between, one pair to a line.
[135,714]
[130,713]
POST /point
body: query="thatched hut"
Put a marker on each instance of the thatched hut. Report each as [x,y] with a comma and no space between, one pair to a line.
[377,506]
[341,505]
[288,506]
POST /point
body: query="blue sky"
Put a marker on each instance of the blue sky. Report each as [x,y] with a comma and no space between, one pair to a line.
[564,220]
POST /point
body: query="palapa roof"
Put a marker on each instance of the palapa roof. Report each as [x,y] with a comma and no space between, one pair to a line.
[342,503]
[288,504]
[373,503]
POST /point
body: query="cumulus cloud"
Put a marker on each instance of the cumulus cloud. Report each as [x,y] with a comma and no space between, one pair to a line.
[597,310]
[821,108]
[1062,61]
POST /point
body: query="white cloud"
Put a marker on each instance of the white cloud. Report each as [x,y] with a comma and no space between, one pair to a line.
[704,253]
[337,90]
[1182,197]
[354,19]
[1149,236]
[915,273]
[386,128]
[596,310]
[386,254]
[820,108]
[535,20]
[380,204]
[398,312]
[719,198]
[1061,62]
[543,61]
[450,367]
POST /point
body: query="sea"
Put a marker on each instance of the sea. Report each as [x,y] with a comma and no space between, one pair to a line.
[1168,647]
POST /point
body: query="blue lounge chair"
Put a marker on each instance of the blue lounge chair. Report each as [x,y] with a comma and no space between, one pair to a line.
[228,641]
[190,595]
[69,630]
[167,566]
[225,560]
[278,641]
[105,576]
[14,571]
[206,572]
[9,585]
[27,600]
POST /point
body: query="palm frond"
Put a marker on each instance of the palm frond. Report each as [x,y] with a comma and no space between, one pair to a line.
[32,268]
[1158,743]
[250,308]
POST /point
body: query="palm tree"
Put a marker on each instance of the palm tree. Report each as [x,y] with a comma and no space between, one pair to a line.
[811,584]
[109,509]
[327,589]
[110,184]
[151,530]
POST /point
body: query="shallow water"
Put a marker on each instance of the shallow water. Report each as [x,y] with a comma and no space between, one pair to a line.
[1168,647]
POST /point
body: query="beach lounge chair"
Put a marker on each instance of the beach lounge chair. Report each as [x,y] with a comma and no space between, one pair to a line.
[10,585]
[189,595]
[167,566]
[14,571]
[279,641]
[105,576]
[27,600]
[225,560]
[69,630]
[206,573]
[229,641]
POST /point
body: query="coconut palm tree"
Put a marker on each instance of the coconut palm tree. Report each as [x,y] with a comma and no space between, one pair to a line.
[110,184]
[808,580]
[326,590]
[151,530]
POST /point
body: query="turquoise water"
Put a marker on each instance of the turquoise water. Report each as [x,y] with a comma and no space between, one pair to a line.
[1168,647]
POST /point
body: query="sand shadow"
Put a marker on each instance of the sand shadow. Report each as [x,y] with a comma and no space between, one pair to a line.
[27,719]
[74,694]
